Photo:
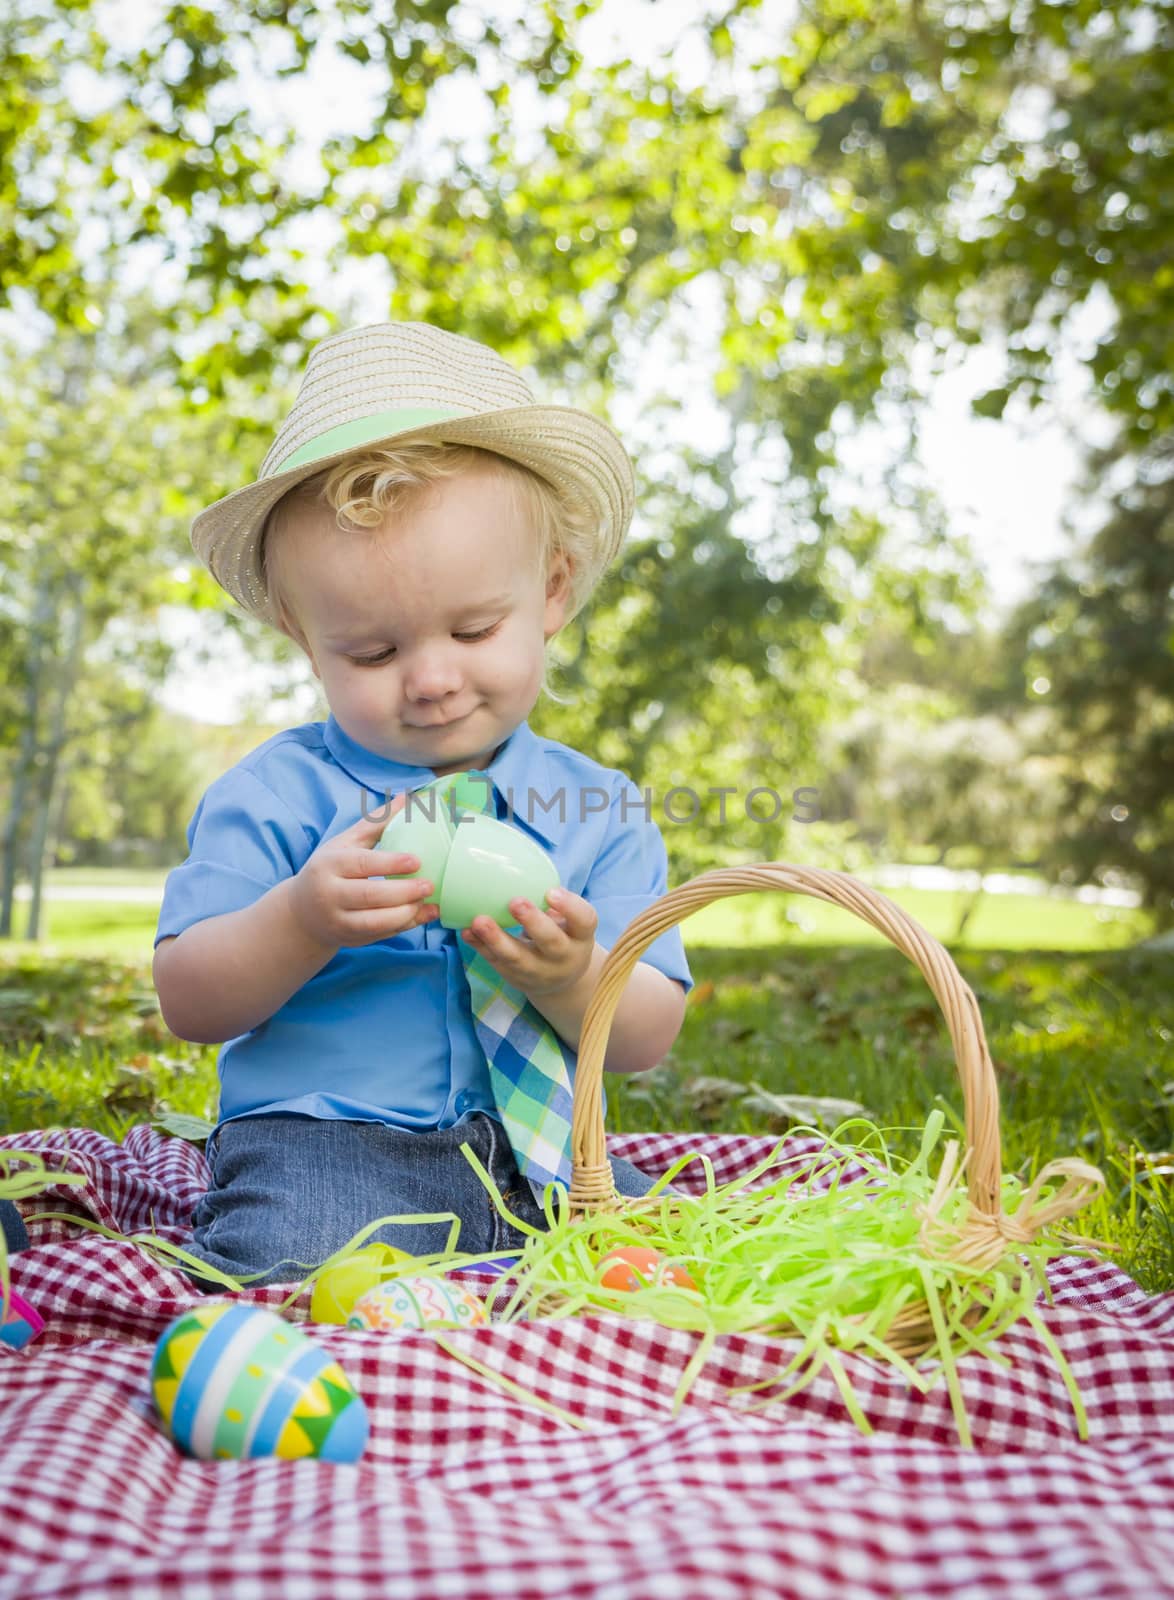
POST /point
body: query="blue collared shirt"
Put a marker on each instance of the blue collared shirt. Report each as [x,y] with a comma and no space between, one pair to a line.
[384,1032]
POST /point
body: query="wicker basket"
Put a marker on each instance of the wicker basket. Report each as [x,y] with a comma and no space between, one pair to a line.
[988,1233]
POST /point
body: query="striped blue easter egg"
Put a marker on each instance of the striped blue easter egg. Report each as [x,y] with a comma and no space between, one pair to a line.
[231,1382]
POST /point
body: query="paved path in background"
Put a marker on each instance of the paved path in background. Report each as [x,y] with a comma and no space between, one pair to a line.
[895,876]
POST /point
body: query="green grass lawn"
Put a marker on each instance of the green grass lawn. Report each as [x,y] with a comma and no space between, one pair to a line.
[122,929]
[1079,1028]
[89,877]
[1001,922]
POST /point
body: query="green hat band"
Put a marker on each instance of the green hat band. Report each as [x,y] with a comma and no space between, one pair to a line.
[348,435]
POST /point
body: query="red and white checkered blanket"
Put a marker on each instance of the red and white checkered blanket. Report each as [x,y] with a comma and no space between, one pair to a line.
[467,1490]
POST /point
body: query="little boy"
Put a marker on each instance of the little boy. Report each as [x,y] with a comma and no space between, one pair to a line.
[421,528]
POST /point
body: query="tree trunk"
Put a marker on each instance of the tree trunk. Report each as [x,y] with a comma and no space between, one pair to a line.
[36,855]
[66,677]
[60,810]
[26,760]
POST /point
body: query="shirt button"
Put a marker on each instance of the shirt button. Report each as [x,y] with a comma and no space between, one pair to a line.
[462,1102]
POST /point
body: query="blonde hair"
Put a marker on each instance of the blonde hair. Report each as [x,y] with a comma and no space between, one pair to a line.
[371,485]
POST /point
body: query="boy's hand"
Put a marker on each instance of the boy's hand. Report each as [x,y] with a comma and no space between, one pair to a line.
[555,950]
[341,896]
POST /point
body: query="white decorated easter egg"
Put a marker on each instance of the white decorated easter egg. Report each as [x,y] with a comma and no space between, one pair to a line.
[416,1302]
[232,1381]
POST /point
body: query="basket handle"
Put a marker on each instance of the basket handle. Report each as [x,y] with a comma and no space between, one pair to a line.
[592,1187]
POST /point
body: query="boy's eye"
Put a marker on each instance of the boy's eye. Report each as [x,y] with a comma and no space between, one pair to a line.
[385,655]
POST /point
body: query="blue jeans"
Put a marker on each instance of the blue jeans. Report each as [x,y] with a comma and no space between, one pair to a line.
[288,1191]
[12,1226]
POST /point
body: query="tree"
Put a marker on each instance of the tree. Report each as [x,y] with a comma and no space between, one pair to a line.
[1083,216]
[1098,643]
[840,186]
[917,775]
[133,136]
[91,531]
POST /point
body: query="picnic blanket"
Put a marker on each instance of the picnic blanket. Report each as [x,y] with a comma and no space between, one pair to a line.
[468,1489]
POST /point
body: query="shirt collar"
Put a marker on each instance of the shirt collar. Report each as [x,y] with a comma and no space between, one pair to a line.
[518,770]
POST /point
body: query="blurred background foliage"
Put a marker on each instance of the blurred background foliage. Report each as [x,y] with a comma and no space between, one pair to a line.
[848,197]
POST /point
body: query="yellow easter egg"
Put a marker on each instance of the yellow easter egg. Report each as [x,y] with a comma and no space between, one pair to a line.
[338,1287]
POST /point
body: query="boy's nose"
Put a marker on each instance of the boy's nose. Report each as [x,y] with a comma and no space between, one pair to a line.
[432,675]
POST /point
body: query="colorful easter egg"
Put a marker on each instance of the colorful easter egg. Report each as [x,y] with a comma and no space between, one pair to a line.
[416,1302]
[477,864]
[338,1287]
[20,1324]
[232,1381]
[489,1269]
[636,1266]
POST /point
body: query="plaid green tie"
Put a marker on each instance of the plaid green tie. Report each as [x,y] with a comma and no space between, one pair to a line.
[530,1072]
[531,1069]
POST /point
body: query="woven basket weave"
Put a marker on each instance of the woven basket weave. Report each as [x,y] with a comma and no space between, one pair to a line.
[988,1232]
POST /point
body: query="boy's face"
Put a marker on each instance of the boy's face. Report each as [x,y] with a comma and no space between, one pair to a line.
[427,634]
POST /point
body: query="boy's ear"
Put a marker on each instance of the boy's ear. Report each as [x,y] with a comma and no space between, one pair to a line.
[558,594]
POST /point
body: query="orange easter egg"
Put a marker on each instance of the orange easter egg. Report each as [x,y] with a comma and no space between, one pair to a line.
[636,1266]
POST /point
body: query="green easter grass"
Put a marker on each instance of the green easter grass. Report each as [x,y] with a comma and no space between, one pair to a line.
[838,1269]
[23,1176]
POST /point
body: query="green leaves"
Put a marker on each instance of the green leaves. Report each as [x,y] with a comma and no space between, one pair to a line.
[1096,637]
[771,226]
[179,1125]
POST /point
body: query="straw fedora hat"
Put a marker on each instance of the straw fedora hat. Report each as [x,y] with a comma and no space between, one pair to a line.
[395,381]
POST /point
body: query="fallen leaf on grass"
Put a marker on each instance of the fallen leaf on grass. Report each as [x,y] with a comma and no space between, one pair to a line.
[708,1097]
[153,1028]
[1155,1163]
[130,1096]
[784,1111]
[182,1126]
[734,1032]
